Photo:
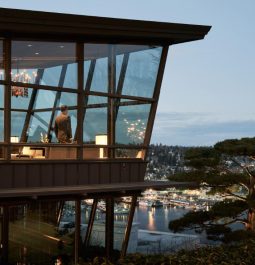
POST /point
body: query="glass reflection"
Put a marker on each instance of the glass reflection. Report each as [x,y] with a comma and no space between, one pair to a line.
[131,124]
[129,153]
[38,127]
[42,62]
[21,102]
[95,123]
[98,53]
[35,236]
[44,99]
[17,122]
[142,70]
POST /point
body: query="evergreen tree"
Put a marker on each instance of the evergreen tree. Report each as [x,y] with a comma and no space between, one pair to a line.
[227,169]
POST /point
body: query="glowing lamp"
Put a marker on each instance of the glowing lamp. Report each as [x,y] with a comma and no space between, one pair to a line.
[101,139]
[14,139]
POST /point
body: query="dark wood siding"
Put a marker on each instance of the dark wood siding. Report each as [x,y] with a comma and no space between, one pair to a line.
[57,174]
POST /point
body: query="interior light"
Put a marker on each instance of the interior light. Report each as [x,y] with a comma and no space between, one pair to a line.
[29,45]
[14,139]
[36,53]
[101,139]
[61,46]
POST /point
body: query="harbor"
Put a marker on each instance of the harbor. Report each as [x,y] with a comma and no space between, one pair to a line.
[150,232]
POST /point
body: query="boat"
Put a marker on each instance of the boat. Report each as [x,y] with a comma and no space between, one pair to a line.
[145,203]
[157,203]
[121,210]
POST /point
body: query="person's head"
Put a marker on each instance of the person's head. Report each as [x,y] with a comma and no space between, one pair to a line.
[64,109]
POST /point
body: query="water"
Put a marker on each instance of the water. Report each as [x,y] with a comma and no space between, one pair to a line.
[157,219]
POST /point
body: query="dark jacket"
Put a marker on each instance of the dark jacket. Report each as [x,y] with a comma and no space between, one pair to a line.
[63,129]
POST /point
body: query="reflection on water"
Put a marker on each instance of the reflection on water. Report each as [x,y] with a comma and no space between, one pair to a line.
[157,219]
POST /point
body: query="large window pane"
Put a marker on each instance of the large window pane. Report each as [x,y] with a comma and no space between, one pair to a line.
[131,124]
[1,61]
[20,97]
[32,60]
[38,127]
[142,69]
[44,99]
[99,53]
[71,76]
[95,123]
[51,76]
[33,234]
[17,123]
[1,96]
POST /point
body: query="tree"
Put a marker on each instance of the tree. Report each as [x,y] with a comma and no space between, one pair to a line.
[227,169]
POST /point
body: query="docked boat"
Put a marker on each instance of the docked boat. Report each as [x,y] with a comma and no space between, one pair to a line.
[145,203]
[157,203]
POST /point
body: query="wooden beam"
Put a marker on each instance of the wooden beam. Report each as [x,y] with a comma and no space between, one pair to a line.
[56,101]
[157,88]
[60,211]
[23,137]
[7,98]
[129,227]
[111,110]
[109,227]
[80,99]
[90,223]
[121,81]
[87,89]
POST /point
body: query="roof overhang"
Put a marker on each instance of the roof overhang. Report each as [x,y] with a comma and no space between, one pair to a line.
[90,191]
[23,24]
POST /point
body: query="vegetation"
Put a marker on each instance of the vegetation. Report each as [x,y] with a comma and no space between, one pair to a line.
[237,254]
[228,170]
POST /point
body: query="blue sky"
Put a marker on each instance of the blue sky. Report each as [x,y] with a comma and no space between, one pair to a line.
[208,89]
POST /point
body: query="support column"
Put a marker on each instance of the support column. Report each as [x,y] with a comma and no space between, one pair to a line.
[7,98]
[109,227]
[111,101]
[77,231]
[91,222]
[129,227]
[60,211]
[5,234]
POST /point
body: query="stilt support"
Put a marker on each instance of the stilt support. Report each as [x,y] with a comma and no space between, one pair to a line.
[109,227]
[60,211]
[90,224]
[129,227]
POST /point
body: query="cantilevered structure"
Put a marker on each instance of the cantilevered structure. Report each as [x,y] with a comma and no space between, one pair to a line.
[108,72]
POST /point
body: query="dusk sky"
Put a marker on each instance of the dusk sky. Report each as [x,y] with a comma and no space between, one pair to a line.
[208,91]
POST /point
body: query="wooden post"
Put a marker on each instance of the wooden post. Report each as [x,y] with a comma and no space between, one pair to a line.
[90,224]
[129,227]
[109,227]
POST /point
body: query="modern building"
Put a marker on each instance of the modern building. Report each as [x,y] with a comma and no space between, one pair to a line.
[109,73]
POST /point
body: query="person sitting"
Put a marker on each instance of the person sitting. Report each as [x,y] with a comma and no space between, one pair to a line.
[62,126]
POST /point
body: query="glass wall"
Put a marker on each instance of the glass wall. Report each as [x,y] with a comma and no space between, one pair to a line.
[36,236]
[142,69]
[119,84]
[44,63]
